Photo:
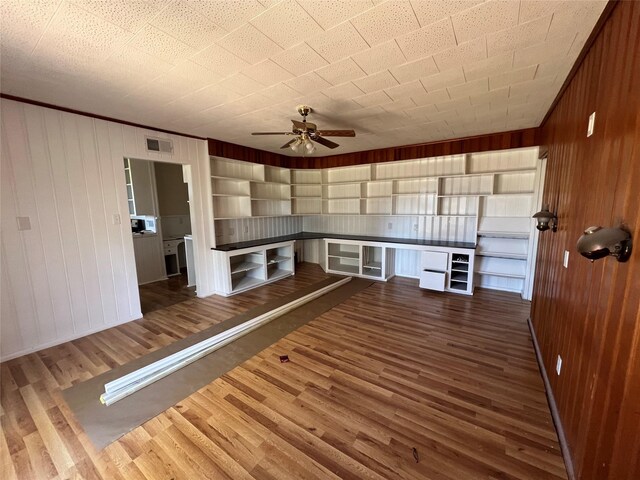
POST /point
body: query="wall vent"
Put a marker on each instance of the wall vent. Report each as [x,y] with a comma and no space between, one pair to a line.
[157,145]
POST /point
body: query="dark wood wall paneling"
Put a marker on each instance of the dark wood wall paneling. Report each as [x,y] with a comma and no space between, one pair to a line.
[589,312]
[483,143]
[220,148]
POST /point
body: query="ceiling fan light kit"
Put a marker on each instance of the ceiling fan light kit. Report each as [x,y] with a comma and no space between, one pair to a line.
[307,133]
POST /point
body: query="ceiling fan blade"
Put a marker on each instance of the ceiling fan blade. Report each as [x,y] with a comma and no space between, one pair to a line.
[299,125]
[304,125]
[272,133]
[336,133]
[324,141]
[288,144]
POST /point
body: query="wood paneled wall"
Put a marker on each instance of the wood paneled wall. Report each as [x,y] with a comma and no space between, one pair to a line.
[589,312]
[69,269]
[220,148]
[483,143]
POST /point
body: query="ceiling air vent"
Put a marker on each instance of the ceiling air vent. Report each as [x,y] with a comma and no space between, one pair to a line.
[157,145]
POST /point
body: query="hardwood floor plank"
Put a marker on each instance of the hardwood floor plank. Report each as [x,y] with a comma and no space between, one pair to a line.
[391,369]
[7,470]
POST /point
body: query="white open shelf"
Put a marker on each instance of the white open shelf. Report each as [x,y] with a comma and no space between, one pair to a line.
[306,177]
[241,270]
[488,196]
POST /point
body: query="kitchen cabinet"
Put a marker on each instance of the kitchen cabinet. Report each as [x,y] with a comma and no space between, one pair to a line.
[142,186]
[149,258]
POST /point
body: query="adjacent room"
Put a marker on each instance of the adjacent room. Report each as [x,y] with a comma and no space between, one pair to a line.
[320,239]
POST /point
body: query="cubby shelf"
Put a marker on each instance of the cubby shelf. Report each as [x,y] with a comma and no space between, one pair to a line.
[501,274]
[245,267]
[240,270]
[514,256]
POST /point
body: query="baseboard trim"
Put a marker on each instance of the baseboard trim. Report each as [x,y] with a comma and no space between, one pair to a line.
[75,336]
[555,415]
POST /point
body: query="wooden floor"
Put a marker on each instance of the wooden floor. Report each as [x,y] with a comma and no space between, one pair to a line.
[392,369]
[162,294]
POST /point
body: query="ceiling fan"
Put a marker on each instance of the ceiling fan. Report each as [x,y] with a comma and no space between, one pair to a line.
[307,132]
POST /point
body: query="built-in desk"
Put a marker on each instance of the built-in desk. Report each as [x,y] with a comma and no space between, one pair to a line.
[363,238]
[171,257]
[444,265]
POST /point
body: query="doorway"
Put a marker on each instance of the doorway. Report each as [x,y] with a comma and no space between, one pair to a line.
[158,200]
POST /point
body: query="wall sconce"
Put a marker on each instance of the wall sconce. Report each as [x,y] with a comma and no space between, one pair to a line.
[598,242]
[546,220]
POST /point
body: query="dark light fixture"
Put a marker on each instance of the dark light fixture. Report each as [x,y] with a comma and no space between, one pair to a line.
[546,220]
[598,242]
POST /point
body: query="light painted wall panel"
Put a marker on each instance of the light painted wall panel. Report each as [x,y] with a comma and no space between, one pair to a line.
[417,227]
[245,229]
[73,272]
[67,271]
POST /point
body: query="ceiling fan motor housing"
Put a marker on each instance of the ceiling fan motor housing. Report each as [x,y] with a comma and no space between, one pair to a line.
[304,110]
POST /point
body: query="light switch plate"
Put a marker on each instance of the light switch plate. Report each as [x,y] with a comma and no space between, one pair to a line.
[116,219]
[592,124]
[24,223]
[565,259]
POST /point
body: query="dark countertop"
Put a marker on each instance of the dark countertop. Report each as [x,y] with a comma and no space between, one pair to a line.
[363,238]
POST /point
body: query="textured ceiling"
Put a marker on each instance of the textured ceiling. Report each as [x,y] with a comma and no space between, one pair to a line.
[398,71]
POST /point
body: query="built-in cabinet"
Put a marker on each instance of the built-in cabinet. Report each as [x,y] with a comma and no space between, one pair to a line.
[487,198]
[362,259]
[140,178]
[441,268]
[243,269]
[149,256]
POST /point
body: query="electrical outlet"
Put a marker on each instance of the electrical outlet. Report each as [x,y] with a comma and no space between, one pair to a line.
[116,219]
[565,259]
[415,227]
[246,229]
[389,226]
[592,124]
[231,231]
[558,365]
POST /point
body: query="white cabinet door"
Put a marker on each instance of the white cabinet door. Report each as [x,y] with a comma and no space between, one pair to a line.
[437,261]
[149,258]
[432,280]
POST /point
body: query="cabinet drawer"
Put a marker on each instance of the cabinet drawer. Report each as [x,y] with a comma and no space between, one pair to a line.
[432,280]
[170,251]
[171,243]
[437,261]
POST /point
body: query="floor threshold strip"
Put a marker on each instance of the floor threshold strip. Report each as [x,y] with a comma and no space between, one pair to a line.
[128,384]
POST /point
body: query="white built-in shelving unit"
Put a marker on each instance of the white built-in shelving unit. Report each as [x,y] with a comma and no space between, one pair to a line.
[441,268]
[243,269]
[492,195]
[243,189]
[363,259]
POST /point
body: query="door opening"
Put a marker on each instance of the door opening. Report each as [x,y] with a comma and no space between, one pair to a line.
[158,200]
